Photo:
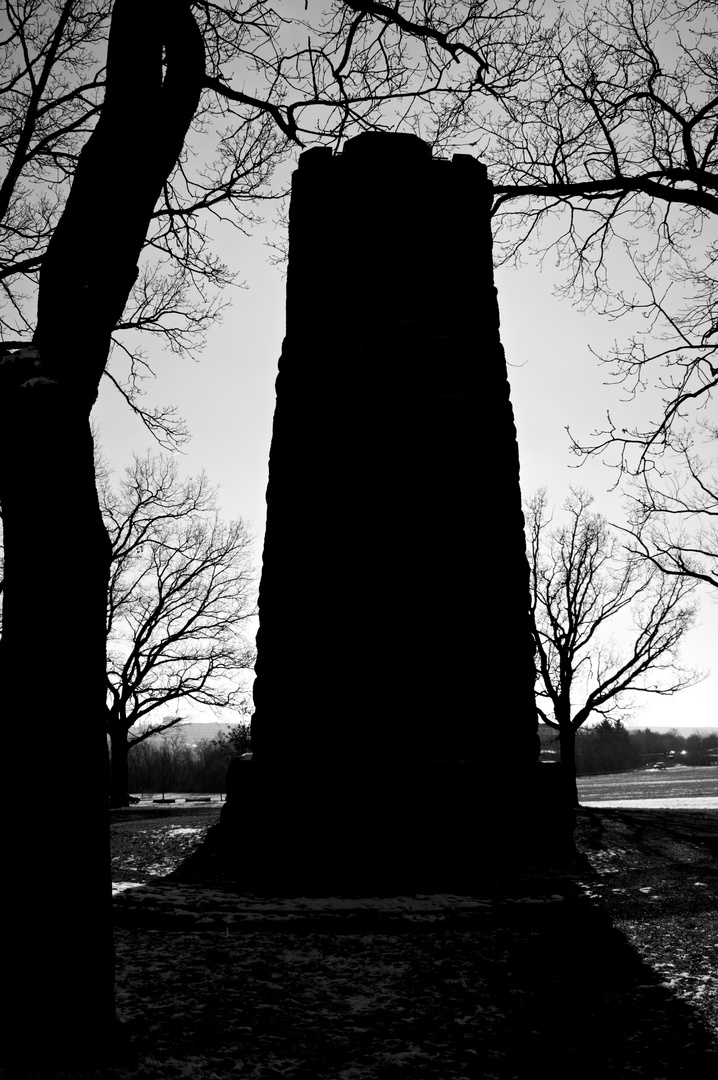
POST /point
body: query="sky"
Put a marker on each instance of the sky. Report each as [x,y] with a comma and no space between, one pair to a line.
[227,399]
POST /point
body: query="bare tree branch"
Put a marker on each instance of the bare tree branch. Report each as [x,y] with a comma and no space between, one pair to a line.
[673,513]
[604,147]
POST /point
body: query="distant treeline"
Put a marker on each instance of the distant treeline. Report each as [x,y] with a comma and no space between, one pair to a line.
[611,747]
[168,763]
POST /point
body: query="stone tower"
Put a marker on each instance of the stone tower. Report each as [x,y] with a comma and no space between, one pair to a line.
[395,665]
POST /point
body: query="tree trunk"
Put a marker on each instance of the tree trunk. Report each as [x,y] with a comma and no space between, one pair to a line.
[57,944]
[567,743]
[119,780]
[57,950]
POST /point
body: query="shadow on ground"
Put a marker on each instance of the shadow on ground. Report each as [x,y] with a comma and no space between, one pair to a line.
[696,831]
[667,861]
[531,979]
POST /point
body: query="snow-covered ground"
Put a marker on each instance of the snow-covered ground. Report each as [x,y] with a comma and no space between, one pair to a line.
[678,787]
[704,802]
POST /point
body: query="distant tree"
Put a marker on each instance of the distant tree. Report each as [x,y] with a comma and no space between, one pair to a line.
[608,746]
[133,739]
[168,763]
[235,742]
[614,744]
[582,580]
[155,764]
[700,749]
[180,596]
[647,743]
[212,758]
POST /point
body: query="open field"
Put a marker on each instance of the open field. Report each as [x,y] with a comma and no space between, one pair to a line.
[676,782]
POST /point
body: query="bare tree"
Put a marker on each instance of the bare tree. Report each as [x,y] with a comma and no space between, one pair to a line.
[582,582]
[181,594]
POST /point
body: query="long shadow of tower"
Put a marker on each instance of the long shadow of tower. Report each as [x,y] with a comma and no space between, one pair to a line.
[394,695]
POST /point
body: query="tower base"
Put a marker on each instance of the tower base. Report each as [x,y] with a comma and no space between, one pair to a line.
[420,826]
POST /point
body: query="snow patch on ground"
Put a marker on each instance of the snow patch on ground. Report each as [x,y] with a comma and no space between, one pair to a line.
[174,892]
[206,907]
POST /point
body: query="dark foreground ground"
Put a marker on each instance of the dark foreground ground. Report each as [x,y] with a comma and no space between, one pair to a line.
[608,970]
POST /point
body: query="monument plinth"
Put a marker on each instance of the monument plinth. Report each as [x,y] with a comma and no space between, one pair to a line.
[395,680]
